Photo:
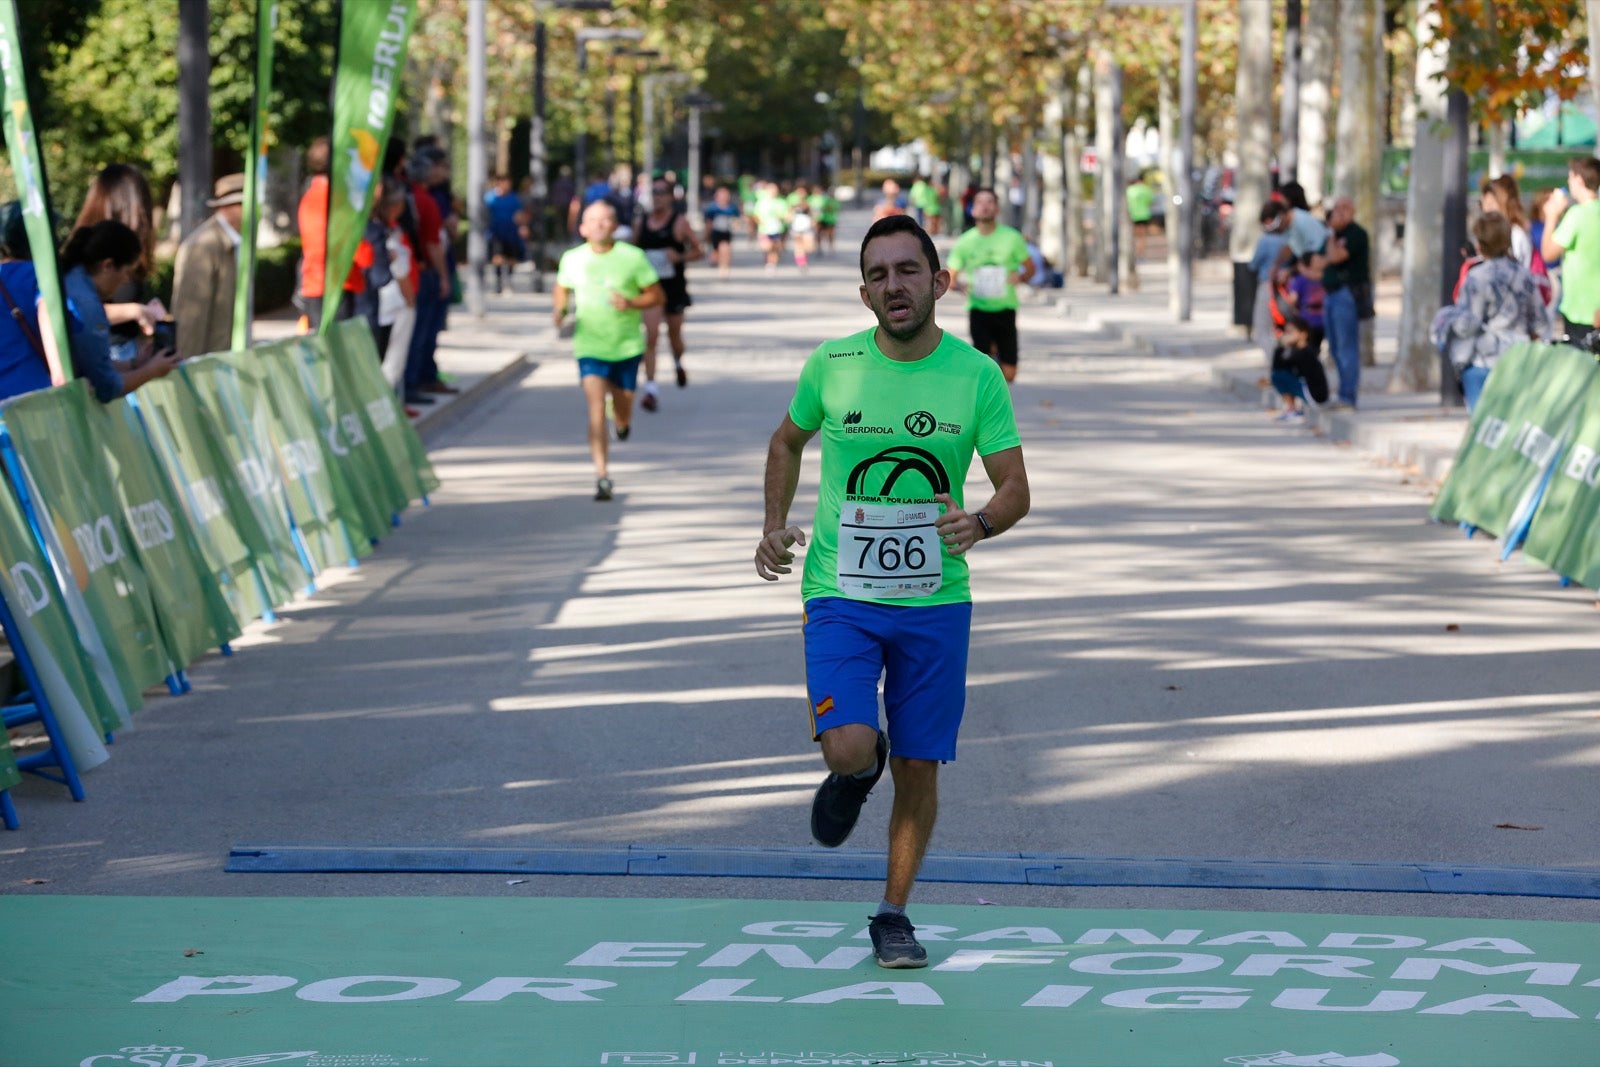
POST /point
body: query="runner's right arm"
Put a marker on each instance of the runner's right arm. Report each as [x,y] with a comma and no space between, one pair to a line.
[773,556]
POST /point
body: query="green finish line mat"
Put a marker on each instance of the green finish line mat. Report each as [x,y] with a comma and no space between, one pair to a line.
[542,982]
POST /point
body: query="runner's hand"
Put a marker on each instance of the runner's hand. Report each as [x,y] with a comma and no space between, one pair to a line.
[558,316]
[619,301]
[958,531]
[772,554]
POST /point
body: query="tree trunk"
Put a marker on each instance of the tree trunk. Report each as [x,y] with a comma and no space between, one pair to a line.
[1052,206]
[1107,156]
[1416,360]
[1289,111]
[1167,160]
[1030,183]
[1360,127]
[1592,10]
[1253,94]
[1318,45]
[1082,240]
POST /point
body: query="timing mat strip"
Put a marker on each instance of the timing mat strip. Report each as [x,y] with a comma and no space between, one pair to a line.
[1013,868]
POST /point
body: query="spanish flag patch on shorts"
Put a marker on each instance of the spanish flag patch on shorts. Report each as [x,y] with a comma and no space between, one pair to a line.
[824,706]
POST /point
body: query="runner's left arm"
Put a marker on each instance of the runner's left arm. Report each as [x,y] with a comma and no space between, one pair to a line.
[691,244]
[960,530]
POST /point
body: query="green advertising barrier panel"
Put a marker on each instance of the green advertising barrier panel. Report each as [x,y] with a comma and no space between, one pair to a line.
[361,420]
[1516,432]
[45,627]
[351,448]
[230,538]
[1565,535]
[189,606]
[82,521]
[356,359]
[235,407]
[549,982]
[317,488]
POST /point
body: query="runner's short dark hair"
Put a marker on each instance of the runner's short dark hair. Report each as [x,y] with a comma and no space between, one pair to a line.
[985,189]
[892,224]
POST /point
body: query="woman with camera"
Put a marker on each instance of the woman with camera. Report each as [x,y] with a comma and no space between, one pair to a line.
[97,261]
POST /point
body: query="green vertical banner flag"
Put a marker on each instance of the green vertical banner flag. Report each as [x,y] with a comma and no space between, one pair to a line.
[255,177]
[28,168]
[372,54]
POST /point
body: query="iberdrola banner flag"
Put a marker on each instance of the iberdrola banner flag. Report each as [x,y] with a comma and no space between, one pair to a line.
[372,56]
[255,176]
[29,171]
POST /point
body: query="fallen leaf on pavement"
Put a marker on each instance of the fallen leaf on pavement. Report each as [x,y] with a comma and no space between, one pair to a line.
[991,903]
[1452,628]
[1174,687]
[193,952]
[36,881]
[1047,403]
[1515,826]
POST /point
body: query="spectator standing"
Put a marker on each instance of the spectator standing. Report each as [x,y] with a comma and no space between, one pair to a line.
[1572,235]
[1265,260]
[100,260]
[1502,195]
[892,203]
[24,367]
[120,192]
[207,273]
[433,276]
[1348,283]
[378,303]
[563,191]
[312,216]
[1498,306]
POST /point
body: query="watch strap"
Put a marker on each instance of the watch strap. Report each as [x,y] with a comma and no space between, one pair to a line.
[983,521]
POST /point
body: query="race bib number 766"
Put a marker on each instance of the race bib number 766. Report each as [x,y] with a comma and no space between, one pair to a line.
[889,550]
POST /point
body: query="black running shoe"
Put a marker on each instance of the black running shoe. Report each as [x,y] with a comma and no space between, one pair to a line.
[894,943]
[837,805]
[623,432]
[602,489]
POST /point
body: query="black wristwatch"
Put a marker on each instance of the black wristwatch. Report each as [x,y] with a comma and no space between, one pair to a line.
[983,520]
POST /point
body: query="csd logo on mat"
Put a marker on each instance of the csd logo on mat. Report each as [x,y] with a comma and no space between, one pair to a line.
[175,1056]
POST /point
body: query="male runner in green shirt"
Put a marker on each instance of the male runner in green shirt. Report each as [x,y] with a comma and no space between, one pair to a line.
[989,261]
[609,282]
[901,408]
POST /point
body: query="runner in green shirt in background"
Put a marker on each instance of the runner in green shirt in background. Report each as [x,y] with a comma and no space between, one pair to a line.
[606,283]
[826,208]
[1572,235]
[989,262]
[1141,211]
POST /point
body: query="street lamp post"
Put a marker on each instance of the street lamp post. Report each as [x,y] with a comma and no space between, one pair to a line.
[602,33]
[538,164]
[476,148]
[697,103]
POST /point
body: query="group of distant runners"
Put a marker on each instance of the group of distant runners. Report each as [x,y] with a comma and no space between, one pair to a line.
[885,585]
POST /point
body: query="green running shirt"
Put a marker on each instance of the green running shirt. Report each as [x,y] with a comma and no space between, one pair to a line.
[1001,252]
[602,332]
[893,435]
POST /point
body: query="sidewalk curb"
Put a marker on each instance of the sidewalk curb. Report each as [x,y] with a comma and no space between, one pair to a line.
[430,425]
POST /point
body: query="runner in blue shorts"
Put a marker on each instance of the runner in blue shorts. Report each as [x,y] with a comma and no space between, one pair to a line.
[902,409]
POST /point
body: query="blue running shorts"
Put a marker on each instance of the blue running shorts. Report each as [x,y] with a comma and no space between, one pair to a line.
[919,652]
[622,373]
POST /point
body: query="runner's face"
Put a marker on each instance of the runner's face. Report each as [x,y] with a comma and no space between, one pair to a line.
[985,207]
[898,286]
[599,223]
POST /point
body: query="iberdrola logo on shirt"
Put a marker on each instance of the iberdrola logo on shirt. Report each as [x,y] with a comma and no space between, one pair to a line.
[904,472]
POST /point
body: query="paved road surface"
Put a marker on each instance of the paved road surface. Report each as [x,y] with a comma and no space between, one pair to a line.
[1212,637]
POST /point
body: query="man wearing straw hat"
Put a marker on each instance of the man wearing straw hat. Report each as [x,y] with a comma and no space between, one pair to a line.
[207,269]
